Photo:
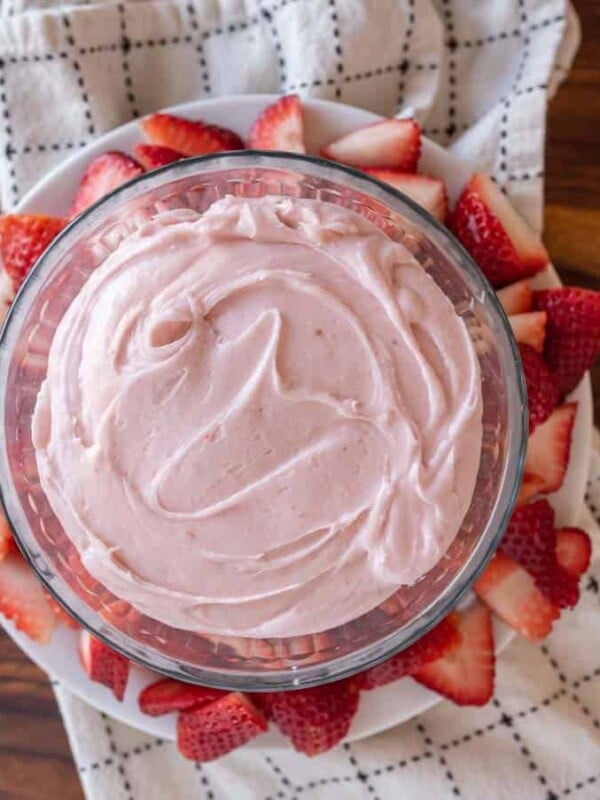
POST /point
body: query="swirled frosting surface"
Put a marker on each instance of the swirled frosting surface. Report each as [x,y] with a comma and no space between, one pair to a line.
[260,421]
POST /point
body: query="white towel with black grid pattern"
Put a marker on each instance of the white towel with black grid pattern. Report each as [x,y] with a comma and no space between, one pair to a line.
[478,75]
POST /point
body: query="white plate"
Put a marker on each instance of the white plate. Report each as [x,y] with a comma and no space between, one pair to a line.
[381,708]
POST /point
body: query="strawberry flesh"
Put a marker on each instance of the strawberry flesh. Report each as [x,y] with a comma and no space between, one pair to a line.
[23,239]
[102,175]
[573,332]
[465,675]
[548,450]
[433,645]
[542,387]
[390,144]
[529,328]
[189,137]
[315,719]
[573,550]
[511,593]
[206,733]
[430,193]
[280,127]
[7,543]
[23,600]
[517,298]
[103,664]
[166,696]
[499,240]
[153,156]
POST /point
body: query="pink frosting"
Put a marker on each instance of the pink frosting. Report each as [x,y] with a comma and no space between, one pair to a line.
[260,421]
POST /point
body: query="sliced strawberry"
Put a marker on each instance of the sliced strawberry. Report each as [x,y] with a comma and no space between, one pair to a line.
[190,137]
[101,176]
[573,332]
[502,244]
[465,675]
[168,695]
[23,601]
[529,328]
[392,144]
[573,550]
[517,298]
[7,543]
[436,643]
[23,239]
[542,387]
[153,156]
[206,733]
[530,541]
[548,449]
[531,486]
[280,127]
[59,612]
[430,193]
[512,594]
[103,664]
[315,719]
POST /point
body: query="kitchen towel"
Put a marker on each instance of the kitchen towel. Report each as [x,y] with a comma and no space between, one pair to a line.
[478,75]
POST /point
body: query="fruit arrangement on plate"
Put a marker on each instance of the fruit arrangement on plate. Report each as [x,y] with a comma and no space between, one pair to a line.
[535,573]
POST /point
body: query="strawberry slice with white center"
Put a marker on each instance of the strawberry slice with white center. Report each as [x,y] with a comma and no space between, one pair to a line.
[187,136]
[391,144]
[280,127]
[466,674]
[548,450]
[429,193]
[166,696]
[516,298]
[153,156]
[511,592]
[529,328]
[573,332]
[23,601]
[103,664]
[23,239]
[490,229]
[102,175]
[573,550]
[211,731]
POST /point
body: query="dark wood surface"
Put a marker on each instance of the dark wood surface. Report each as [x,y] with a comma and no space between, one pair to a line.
[35,760]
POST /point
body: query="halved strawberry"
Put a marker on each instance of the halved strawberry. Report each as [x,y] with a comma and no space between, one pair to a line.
[517,298]
[548,449]
[530,541]
[59,612]
[392,144]
[465,675]
[511,593]
[104,665]
[7,543]
[23,239]
[542,387]
[280,127]
[103,174]
[22,599]
[573,332]
[153,156]
[430,193]
[573,550]
[436,643]
[502,244]
[315,719]
[529,328]
[190,137]
[168,695]
[206,733]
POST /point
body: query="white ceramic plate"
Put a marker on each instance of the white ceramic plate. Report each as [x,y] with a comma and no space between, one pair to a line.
[379,709]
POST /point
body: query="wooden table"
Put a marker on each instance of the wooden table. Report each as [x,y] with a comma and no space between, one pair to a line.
[35,760]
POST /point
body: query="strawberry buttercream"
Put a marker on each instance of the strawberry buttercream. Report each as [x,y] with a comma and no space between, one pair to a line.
[261,420]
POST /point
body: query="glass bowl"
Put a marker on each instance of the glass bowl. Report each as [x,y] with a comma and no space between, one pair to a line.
[234,662]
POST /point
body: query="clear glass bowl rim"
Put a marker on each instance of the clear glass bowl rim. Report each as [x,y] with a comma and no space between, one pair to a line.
[517,414]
